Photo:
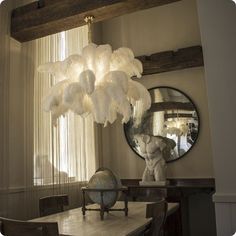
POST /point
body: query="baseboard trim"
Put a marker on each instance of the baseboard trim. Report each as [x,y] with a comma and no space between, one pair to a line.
[224,197]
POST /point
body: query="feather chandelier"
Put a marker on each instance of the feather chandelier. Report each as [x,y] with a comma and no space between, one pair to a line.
[174,127]
[97,82]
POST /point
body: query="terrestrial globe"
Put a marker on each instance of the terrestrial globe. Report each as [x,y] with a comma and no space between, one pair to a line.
[104,179]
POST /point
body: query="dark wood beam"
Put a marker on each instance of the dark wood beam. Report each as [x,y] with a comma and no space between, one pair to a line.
[172,60]
[175,115]
[162,106]
[45,17]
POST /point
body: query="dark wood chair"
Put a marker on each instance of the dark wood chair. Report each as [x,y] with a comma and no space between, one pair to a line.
[157,211]
[10,227]
[52,204]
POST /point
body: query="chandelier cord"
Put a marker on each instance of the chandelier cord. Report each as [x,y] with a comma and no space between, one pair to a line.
[89,21]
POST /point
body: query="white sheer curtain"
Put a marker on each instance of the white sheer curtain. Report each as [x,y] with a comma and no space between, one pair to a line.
[27,139]
[63,153]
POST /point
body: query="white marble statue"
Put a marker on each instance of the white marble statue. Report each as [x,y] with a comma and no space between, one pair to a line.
[152,148]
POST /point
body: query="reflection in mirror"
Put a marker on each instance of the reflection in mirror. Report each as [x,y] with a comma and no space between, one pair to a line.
[173,117]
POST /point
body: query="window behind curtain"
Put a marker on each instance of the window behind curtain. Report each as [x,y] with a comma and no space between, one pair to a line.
[62,153]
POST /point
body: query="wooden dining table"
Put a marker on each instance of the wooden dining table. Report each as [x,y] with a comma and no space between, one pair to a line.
[115,223]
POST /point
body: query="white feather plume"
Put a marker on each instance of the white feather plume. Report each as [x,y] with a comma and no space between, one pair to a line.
[97,82]
[87,81]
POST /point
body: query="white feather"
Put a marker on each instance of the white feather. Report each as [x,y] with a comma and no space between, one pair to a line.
[54,97]
[88,54]
[87,81]
[74,65]
[101,104]
[73,98]
[102,61]
[140,99]
[118,78]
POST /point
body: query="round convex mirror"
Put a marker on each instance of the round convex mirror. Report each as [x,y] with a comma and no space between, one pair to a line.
[172,117]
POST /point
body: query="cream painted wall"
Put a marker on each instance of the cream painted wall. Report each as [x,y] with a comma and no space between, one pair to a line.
[11,103]
[168,27]
[158,29]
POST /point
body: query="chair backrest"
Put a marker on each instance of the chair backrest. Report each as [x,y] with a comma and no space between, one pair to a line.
[23,228]
[52,204]
[158,212]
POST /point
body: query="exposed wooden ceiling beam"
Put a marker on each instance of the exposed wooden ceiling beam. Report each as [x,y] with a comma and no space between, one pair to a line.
[162,106]
[172,60]
[178,115]
[46,17]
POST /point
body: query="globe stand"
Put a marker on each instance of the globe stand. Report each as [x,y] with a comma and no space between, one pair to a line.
[103,208]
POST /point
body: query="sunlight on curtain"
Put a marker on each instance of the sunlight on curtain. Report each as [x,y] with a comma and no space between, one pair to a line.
[65,152]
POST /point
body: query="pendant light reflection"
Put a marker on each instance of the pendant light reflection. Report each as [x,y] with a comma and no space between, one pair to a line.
[176,127]
[97,82]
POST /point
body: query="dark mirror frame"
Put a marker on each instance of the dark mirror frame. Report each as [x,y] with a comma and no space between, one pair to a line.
[199,124]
